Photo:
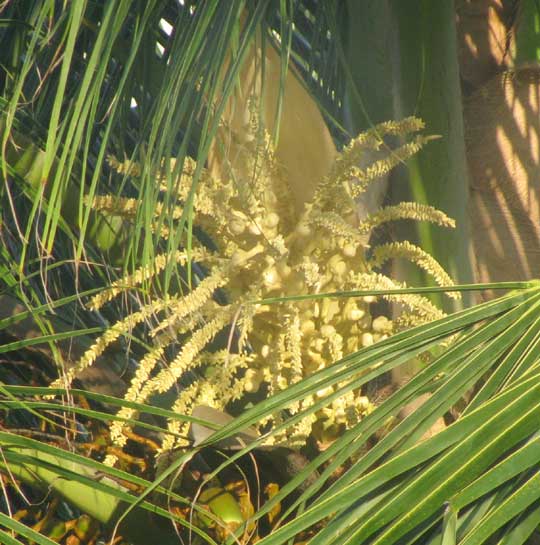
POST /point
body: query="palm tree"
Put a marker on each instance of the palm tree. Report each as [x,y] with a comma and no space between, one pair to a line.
[91,91]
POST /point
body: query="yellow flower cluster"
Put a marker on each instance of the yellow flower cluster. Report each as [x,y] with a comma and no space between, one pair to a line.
[264,249]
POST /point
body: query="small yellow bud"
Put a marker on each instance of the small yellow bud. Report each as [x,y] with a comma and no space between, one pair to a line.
[307,327]
[329,309]
[283,269]
[367,339]
[303,230]
[381,324]
[324,392]
[349,250]
[271,278]
[237,226]
[241,256]
[340,268]
[265,351]
[317,344]
[270,234]
[253,378]
[364,323]
[339,415]
[325,306]
[255,229]
[326,414]
[237,258]
[355,314]
[271,220]
[328,331]
[363,404]
[337,265]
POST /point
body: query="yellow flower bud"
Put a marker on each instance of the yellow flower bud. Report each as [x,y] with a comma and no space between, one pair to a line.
[328,331]
[271,220]
[349,250]
[241,256]
[339,415]
[237,226]
[324,392]
[355,314]
[340,269]
[253,379]
[307,327]
[352,344]
[283,269]
[367,339]
[254,228]
[337,265]
[303,230]
[317,344]
[364,323]
[271,279]
[381,324]
[363,404]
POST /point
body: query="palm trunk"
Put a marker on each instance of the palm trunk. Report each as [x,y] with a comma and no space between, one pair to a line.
[428,86]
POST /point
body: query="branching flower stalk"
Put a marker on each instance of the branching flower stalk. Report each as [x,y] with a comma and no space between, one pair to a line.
[263,249]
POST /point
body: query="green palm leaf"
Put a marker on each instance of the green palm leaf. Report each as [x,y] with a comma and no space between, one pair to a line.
[416,479]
